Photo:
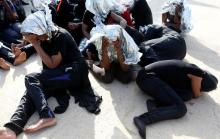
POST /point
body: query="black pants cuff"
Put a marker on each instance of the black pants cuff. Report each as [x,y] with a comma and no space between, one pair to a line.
[14,127]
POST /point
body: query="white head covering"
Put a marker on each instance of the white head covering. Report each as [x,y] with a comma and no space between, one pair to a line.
[112,32]
[101,8]
[40,4]
[40,22]
[186,18]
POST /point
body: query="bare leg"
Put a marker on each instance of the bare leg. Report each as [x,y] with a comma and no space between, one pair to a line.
[4,65]
[42,123]
[20,58]
[6,133]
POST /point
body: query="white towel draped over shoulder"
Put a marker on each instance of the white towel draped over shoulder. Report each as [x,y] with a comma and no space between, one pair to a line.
[112,32]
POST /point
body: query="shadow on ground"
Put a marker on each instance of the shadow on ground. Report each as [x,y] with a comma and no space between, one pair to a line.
[129,102]
[201,52]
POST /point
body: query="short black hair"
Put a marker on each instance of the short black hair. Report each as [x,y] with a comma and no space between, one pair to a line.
[209,82]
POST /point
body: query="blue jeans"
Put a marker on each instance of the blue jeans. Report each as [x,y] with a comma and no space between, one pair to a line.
[170,103]
[11,34]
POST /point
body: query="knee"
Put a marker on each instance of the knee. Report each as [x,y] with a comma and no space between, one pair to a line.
[30,78]
[140,75]
[181,110]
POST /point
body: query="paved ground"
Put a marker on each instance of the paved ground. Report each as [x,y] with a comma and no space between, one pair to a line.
[123,102]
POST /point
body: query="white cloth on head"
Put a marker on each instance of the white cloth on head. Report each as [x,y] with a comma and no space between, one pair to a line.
[112,32]
[101,8]
[39,23]
[186,18]
[40,4]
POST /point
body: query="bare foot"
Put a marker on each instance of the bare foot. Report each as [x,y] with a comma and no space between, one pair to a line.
[6,133]
[20,59]
[16,51]
[42,123]
[4,65]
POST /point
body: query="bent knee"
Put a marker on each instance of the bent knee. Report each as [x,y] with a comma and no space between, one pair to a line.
[181,110]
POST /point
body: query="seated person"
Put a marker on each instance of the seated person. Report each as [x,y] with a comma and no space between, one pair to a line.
[63,68]
[172,17]
[116,51]
[70,15]
[9,27]
[176,15]
[97,14]
[170,83]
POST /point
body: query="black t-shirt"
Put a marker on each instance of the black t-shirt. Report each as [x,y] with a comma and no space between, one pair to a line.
[89,21]
[69,11]
[174,72]
[62,42]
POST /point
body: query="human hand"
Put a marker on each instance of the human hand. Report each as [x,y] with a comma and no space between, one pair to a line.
[105,42]
[15,50]
[17,45]
[35,43]
[117,43]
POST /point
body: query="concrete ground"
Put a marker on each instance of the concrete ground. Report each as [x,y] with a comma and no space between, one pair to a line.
[123,102]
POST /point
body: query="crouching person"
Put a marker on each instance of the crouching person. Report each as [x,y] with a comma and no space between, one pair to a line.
[63,68]
[117,52]
[170,83]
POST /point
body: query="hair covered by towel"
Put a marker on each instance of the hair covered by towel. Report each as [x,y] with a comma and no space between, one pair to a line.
[40,22]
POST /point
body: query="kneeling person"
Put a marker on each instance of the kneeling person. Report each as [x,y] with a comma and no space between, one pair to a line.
[170,83]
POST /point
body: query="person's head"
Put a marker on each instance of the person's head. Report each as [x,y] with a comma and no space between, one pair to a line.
[38,26]
[209,82]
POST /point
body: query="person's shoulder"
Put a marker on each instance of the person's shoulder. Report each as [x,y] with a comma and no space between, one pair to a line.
[63,36]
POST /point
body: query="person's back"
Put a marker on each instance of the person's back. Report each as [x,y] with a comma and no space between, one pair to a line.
[175,72]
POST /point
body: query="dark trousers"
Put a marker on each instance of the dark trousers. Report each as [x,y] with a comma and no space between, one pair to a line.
[29,50]
[40,85]
[11,34]
[135,34]
[170,102]
[6,53]
[115,72]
